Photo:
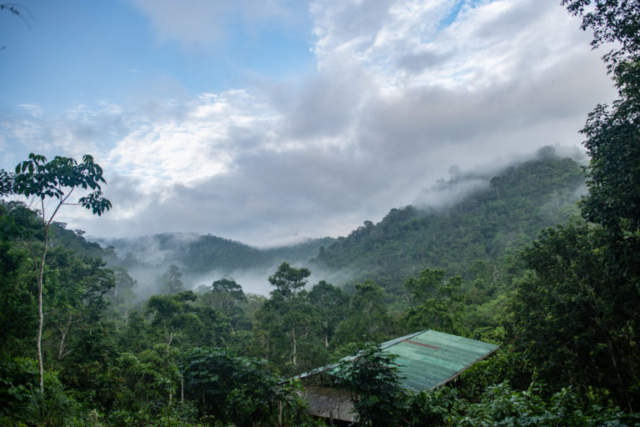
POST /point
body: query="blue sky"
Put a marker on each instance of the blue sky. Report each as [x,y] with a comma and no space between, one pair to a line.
[274,120]
[78,51]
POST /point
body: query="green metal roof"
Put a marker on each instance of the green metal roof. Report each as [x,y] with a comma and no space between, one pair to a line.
[429,359]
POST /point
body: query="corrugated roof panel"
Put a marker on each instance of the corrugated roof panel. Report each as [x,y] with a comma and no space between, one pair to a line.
[429,358]
[452,341]
[425,358]
[419,379]
[449,355]
[397,340]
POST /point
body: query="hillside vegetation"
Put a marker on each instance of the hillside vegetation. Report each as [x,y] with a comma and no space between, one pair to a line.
[484,226]
[500,217]
[78,348]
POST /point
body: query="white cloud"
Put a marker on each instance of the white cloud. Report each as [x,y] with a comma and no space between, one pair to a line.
[398,97]
[192,147]
[34,110]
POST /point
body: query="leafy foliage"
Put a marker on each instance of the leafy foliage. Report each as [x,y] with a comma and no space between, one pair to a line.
[368,318]
[436,303]
[231,389]
[288,281]
[576,312]
[567,325]
[502,406]
[230,287]
[372,378]
[611,21]
[488,225]
[57,179]
[613,143]
[171,281]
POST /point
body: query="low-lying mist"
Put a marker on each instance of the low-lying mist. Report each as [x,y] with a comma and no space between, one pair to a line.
[201,260]
[147,259]
[446,193]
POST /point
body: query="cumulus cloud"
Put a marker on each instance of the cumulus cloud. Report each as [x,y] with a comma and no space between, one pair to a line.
[403,89]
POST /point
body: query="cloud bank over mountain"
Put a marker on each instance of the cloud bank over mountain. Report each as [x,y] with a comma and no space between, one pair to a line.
[400,91]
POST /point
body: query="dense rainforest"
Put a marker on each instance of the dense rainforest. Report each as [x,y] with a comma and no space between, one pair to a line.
[500,217]
[196,254]
[516,263]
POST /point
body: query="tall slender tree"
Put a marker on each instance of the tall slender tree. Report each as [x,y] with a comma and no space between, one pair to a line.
[56,180]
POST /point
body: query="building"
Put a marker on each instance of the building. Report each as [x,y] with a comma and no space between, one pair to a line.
[426,360]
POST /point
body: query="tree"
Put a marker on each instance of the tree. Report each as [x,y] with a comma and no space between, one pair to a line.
[75,294]
[372,378]
[576,319]
[286,317]
[289,280]
[57,179]
[436,303]
[17,303]
[123,293]
[613,133]
[331,303]
[172,281]
[239,391]
[576,311]
[611,21]
[613,175]
[230,287]
[368,319]
[176,317]
[226,296]
[151,376]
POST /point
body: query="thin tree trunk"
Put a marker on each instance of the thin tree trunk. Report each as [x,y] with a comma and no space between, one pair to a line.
[40,313]
[170,338]
[47,225]
[293,333]
[326,335]
[64,335]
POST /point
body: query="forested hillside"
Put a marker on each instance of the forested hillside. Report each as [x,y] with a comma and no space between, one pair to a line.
[500,218]
[79,349]
[109,358]
[201,259]
[205,253]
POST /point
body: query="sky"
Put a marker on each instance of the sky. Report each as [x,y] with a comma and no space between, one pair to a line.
[273,121]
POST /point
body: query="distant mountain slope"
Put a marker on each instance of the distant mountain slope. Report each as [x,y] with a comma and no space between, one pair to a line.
[505,213]
[302,252]
[211,252]
[198,254]
[490,216]
[203,259]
